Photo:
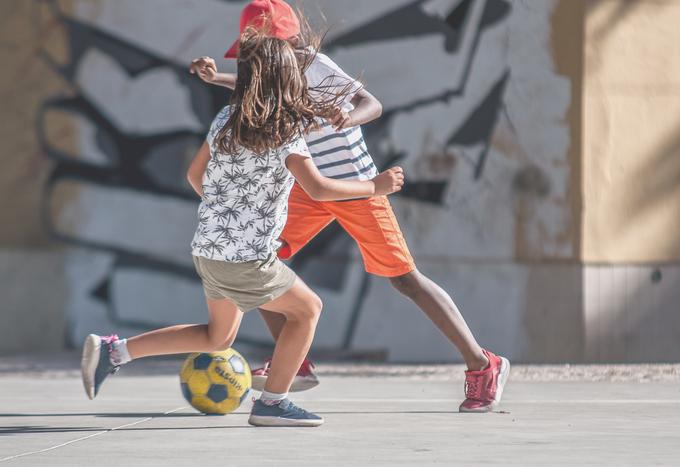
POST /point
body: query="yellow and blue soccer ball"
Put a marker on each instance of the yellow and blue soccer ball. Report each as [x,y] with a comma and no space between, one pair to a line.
[215,383]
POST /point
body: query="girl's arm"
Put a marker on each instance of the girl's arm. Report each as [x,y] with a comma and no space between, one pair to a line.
[206,69]
[197,169]
[321,188]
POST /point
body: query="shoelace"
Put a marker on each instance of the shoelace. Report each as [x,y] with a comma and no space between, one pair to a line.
[109,340]
[473,389]
[294,408]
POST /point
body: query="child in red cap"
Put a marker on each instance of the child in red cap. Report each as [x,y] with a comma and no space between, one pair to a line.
[244,172]
[339,151]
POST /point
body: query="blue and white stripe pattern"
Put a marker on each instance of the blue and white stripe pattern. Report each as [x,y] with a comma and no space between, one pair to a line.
[337,154]
[341,154]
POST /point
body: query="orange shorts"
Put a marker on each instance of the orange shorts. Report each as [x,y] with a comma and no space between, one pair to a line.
[370,222]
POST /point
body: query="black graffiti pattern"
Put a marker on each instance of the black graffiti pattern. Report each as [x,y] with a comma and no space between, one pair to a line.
[133,163]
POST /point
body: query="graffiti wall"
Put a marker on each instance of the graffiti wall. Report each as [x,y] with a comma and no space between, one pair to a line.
[475,110]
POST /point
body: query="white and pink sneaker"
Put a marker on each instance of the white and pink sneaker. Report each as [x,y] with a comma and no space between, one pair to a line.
[304,379]
[484,388]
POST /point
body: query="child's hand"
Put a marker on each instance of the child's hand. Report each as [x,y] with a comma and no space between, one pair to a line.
[341,120]
[389,181]
[205,67]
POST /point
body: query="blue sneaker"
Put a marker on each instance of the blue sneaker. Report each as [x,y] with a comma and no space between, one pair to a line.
[285,413]
[96,365]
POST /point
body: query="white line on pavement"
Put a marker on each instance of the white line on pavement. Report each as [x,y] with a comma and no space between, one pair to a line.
[24,454]
[510,401]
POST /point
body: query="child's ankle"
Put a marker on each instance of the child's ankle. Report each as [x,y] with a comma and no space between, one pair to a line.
[119,354]
[272,398]
[479,363]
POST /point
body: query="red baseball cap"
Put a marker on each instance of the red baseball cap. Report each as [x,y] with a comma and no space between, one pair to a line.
[281,21]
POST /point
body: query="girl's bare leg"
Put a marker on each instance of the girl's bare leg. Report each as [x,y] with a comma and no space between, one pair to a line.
[301,308]
[218,334]
[274,322]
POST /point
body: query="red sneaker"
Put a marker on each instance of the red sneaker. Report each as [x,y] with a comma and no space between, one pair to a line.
[484,388]
[304,379]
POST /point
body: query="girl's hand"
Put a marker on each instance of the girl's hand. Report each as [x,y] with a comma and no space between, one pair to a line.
[341,120]
[390,181]
[205,67]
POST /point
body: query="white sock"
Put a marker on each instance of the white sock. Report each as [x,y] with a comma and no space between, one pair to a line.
[119,353]
[272,398]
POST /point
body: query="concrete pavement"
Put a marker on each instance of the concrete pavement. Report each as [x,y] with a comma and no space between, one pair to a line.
[397,418]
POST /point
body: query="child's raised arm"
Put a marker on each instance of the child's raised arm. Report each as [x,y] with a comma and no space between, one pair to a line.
[321,188]
[206,69]
[367,108]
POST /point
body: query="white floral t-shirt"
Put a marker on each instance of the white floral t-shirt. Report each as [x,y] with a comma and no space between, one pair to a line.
[245,200]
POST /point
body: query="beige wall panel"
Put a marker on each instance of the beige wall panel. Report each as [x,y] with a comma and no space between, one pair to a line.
[632,179]
[630,44]
[631,150]
[28,29]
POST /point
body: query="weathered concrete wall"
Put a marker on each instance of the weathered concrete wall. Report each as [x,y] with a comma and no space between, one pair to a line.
[631,155]
[632,313]
[32,312]
[520,151]
[32,287]
[631,175]
[26,82]
[479,108]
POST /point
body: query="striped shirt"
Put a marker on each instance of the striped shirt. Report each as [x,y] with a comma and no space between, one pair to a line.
[338,154]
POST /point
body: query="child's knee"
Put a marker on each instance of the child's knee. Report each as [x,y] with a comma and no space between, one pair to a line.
[408,284]
[224,345]
[317,306]
[218,341]
[311,310]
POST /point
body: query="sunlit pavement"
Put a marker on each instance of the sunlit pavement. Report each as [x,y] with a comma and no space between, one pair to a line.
[404,416]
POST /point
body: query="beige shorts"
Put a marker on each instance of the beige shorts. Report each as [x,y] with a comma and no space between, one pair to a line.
[249,285]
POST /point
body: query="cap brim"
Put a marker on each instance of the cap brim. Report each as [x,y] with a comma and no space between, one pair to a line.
[233,51]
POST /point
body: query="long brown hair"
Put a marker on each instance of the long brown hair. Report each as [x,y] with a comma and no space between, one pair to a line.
[271,103]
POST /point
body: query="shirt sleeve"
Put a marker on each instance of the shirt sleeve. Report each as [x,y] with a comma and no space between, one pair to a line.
[297,146]
[217,124]
[335,77]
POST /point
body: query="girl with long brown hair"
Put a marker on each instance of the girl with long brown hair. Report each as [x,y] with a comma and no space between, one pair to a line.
[254,152]
[339,151]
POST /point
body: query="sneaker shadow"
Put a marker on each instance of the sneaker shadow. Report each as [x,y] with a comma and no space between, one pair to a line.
[378,412]
[34,429]
[27,429]
[104,414]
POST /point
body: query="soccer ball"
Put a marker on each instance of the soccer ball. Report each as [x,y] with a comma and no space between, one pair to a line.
[215,383]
